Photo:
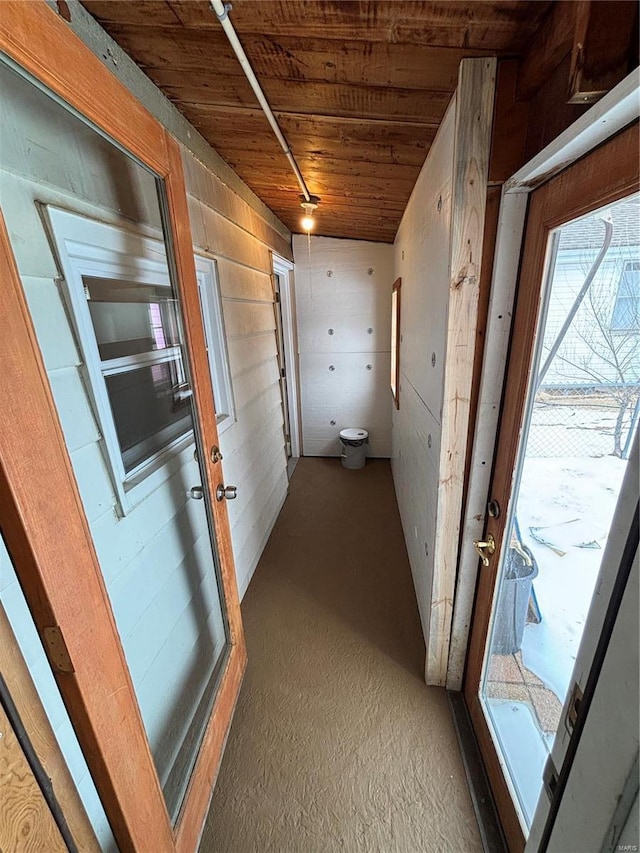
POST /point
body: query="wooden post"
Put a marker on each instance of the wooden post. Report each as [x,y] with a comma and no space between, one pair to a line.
[473,123]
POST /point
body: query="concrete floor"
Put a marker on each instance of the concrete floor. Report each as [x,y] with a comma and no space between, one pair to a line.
[337,744]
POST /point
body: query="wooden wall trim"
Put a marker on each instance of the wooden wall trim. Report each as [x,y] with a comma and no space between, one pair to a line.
[34,718]
[474,117]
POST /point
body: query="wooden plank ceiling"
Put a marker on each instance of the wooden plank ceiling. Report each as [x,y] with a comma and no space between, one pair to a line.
[359,88]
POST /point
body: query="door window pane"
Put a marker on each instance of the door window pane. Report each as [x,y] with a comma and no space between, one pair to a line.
[583,409]
[108,327]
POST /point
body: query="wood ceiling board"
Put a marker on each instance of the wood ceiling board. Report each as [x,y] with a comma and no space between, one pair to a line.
[325,99]
[240,143]
[239,140]
[481,25]
[372,141]
[370,187]
[343,127]
[334,205]
[314,168]
[144,13]
[295,58]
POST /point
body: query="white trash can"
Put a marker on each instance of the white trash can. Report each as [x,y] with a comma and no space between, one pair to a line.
[354,447]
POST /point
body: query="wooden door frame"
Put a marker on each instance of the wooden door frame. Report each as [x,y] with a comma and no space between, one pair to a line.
[281,266]
[612,113]
[35,465]
[610,172]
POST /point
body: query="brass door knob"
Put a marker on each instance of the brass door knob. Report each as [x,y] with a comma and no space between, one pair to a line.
[484,548]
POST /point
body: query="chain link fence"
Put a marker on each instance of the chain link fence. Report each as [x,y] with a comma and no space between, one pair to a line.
[580,422]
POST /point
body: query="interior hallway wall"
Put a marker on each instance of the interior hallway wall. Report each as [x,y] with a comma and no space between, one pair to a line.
[422,261]
[438,252]
[343,299]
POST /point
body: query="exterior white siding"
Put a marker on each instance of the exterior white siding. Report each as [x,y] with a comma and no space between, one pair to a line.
[225,227]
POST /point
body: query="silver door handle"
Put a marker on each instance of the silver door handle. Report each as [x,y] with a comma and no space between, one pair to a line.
[196,493]
[228,492]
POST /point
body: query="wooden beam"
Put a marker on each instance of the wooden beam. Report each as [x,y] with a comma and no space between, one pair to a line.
[552,43]
[26,822]
[605,36]
[36,723]
[474,116]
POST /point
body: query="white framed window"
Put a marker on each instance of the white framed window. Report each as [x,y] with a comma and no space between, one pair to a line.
[626,309]
[215,340]
[126,320]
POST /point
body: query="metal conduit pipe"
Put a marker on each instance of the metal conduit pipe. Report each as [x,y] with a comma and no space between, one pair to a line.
[222,13]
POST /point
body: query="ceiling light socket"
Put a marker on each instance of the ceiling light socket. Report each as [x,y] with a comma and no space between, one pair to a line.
[308,205]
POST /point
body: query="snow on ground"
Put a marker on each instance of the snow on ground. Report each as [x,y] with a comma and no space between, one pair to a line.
[574,498]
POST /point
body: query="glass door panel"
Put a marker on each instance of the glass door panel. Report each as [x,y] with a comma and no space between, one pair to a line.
[582,412]
[87,227]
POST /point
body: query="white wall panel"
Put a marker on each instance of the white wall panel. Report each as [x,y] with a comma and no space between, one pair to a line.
[422,261]
[343,300]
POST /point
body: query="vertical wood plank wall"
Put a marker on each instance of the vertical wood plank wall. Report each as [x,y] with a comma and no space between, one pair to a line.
[344,286]
[438,253]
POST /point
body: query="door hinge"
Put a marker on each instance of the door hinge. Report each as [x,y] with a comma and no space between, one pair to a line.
[277,297]
[57,651]
[550,778]
[283,372]
[574,707]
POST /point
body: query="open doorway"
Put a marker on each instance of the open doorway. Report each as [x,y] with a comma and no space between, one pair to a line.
[284,310]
